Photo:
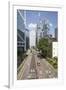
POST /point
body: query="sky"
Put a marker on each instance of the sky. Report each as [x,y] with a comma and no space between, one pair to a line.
[33,17]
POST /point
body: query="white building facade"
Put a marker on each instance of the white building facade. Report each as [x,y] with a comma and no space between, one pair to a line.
[32,38]
[54,49]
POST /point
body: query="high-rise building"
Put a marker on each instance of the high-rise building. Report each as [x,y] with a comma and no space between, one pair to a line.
[22,32]
[42,29]
[56,33]
[39,31]
[27,38]
[32,38]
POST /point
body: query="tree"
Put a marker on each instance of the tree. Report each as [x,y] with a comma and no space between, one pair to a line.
[45,47]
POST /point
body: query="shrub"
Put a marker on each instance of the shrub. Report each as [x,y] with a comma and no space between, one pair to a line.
[45,47]
[53,62]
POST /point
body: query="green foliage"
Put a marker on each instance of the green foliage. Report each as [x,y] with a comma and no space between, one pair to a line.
[53,62]
[45,47]
[42,43]
[49,50]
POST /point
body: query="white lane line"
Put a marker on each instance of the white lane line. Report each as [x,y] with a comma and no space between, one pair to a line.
[48,71]
[32,70]
[40,72]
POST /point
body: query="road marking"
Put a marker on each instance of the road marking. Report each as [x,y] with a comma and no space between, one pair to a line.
[48,71]
[29,76]
[32,70]
[40,72]
[28,64]
[20,75]
[51,76]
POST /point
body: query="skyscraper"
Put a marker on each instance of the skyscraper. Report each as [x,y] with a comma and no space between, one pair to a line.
[22,32]
[56,33]
[32,38]
[42,29]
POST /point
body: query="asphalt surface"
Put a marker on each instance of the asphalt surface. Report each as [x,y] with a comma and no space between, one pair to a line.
[35,67]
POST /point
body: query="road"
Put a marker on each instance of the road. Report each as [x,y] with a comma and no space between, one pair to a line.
[35,67]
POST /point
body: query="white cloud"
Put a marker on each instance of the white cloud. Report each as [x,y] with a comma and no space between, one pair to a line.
[32,26]
[51,25]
